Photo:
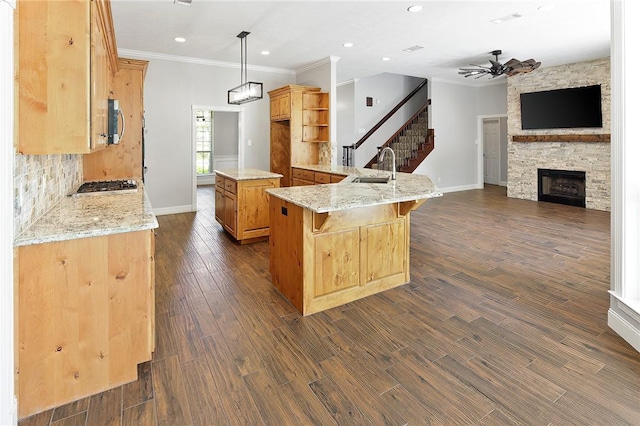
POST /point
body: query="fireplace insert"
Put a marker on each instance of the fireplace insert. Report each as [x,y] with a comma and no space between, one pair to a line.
[562,186]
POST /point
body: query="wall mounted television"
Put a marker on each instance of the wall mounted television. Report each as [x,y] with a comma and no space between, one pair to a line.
[561,109]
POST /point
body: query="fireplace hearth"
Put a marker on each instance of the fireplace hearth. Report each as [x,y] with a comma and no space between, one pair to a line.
[562,186]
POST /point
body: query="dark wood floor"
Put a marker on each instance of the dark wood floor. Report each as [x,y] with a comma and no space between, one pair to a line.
[504,322]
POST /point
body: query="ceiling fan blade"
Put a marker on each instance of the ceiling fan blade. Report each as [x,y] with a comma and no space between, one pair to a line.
[513,63]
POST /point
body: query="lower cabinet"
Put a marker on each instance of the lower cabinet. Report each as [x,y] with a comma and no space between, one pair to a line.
[242,207]
[300,177]
[85,316]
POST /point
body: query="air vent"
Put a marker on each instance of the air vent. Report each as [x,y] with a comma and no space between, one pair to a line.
[182,2]
[412,48]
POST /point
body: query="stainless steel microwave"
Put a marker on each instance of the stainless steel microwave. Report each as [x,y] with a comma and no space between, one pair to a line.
[116,123]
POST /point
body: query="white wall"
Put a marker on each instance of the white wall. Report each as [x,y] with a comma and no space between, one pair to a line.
[624,308]
[346,130]
[454,163]
[504,142]
[323,75]
[8,405]
[171,87]
[225,133]
[387,90]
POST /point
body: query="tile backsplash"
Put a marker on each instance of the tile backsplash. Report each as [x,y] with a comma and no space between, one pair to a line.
[39,181]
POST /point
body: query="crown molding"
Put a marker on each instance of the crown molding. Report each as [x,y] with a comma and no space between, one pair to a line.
[327,60]
[350,81]
[139,54]
[466,82]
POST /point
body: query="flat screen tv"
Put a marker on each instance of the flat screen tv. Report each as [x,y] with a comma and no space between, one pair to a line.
[562,108]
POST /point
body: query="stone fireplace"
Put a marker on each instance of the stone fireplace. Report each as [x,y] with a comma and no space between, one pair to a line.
[584,149]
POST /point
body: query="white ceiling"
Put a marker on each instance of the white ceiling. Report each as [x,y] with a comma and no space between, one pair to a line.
[299,33]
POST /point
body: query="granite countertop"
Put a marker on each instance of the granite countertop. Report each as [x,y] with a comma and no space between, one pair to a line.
[348,195]
[247,174]
[91,216]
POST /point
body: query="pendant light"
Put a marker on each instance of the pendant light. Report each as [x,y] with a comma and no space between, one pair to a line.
[248,91]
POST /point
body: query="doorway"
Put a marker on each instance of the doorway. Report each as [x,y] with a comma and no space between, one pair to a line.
[492,150]
[217,135]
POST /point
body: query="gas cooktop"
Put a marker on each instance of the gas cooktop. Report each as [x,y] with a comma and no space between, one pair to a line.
[107,186]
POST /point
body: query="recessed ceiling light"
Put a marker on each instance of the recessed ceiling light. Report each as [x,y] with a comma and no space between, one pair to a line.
[546,7]
[265,52]
[182,2]
[506,18]
[347,44]
[180,39]
[385,58]
[415,8]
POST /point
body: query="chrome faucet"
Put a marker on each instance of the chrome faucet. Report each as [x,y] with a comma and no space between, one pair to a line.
[393,160]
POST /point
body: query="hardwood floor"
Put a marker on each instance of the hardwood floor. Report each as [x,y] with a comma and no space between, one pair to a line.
[504,322]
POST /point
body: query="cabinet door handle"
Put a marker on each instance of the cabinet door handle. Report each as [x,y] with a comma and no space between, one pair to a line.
[123,124]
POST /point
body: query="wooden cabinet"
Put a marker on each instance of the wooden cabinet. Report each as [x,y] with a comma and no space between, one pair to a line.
[242,207]
[299,121]
[65,60]
[322,260]
[85,316]
[124,160]
[281,107]
[301,176]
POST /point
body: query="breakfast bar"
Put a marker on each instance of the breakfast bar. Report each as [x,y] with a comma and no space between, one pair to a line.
[331,244]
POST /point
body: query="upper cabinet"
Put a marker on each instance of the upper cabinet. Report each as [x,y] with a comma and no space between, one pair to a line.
[66,57]
[124,160]
[281,106]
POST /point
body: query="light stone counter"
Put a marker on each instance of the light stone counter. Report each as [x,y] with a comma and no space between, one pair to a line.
[246,174]
[346,195]
[91,216]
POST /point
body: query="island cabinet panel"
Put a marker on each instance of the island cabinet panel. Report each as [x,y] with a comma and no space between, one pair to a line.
[336,266]
[385,251]
[322,260]
[85,317]
[286,249]
[242,207]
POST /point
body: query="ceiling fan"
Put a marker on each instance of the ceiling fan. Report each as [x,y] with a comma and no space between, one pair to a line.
[511,68]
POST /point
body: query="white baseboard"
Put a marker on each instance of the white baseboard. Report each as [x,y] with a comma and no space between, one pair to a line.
[173,210]
[624,328]
[461,188]
[503,183]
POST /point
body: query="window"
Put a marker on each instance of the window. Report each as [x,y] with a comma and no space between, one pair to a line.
[204,141]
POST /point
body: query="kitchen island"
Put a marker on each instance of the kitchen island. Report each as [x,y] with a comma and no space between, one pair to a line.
[84,297]
[241,203]
[331,244]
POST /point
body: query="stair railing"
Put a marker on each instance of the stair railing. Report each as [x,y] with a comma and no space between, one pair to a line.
[401,132]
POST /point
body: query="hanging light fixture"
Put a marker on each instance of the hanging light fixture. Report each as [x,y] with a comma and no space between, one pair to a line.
[249,90]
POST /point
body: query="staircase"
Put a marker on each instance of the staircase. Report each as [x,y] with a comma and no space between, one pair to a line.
[411,144]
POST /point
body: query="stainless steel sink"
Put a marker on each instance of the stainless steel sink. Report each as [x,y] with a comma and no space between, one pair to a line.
[371,179]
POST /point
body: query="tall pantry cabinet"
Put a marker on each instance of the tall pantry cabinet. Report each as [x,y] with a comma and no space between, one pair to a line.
[299,124]
[124,160]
